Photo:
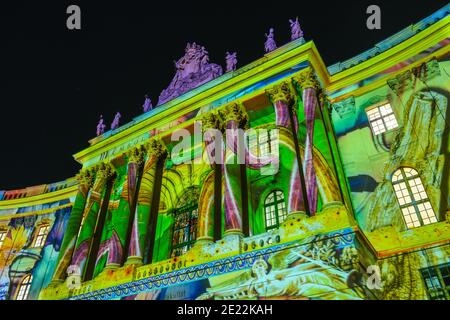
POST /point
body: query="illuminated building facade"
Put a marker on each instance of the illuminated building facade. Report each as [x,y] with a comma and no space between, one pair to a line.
[345,177]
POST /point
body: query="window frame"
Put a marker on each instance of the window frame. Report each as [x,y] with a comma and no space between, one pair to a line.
[275,204]
[181,248]
[441,292]
[3,234]
[269,145]
[26,291]
[413,203]
[41,237]
[382,117]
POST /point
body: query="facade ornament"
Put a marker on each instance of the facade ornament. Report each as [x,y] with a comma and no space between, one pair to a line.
[296,31]
[401,82]
[156,148]
[193,70]
[345,108]
[116,121]
[211,120]
[85,179]
[308,79]
[281,92]
[427,70]
[136,155]
[235,112]
[270,43]
[231,61]
[101,126]
[147,104]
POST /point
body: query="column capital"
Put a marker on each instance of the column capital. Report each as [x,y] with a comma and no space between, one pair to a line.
[104,171]
[136,155]
[211,120]
[282,92]
[234,112]
[307,79]
[85,178]
[157,148]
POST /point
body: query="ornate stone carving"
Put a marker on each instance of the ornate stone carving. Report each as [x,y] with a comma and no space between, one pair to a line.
[401,82]
[211,120]
[101,126]
[136,155]
[345,108]
[116,121]
[231,61]
[156,148]
[427,71]
[281,92]
[193,70]
[270,43]
[308,79]
[235,112]
[85,178]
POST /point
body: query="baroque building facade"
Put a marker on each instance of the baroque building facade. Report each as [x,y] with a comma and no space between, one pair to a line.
[342,191]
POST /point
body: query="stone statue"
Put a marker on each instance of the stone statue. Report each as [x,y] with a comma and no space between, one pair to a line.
[296,31]
[147,104]
[231,61]
[270,44]
[193,70]
[101,126]
[115,123]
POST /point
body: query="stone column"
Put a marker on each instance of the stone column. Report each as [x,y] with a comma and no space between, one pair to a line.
[66,250]
[235,120]
[141,218]
[286,120]
[208,205]
[90,217]
[309,85]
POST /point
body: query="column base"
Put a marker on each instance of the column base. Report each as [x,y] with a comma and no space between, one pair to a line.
[233,232]
[134,260]
[296,215]
[56,282]
[203,241]
[112,266]
[332,204]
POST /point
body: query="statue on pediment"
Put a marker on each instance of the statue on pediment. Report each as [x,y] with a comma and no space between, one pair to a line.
[147,104]
[193,70]
[296,31]
[231,61]
[115,123]
[270,43]
[101,126]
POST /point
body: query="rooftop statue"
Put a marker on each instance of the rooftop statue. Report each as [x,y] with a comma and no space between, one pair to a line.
[115,123]
[193,70]
[231,61]
[296,31]
[270,44]
[101,126]
[147,104]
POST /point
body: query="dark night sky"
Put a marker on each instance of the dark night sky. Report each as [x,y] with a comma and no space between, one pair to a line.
[55,83]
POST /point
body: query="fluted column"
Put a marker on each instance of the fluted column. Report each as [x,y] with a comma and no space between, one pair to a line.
[235,120]
[66,250]
[90,217]
[309,85]
[284,103]
[141,223]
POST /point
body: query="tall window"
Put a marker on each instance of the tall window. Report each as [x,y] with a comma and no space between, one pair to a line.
[382,119]
[2,237]
[24,287]
[437,281]
[412,198]
[275,209]
[263,142]
[41,235]
[184,230]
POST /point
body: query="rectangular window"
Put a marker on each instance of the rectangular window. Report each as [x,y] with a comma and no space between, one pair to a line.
[382,119]
[41,236]
[2,238]
[437,281]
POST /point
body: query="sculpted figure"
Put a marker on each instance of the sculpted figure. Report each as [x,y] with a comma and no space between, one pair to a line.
[100,126]
[115,123]
[231,61]
[270,44]
[147,104]
[296,31]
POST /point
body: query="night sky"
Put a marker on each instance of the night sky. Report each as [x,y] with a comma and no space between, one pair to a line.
[55,82]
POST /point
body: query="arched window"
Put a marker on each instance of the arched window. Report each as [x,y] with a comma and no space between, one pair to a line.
[185,222]
[274,209]
[382,119]
[24,287]
[41,235]
[412,198]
